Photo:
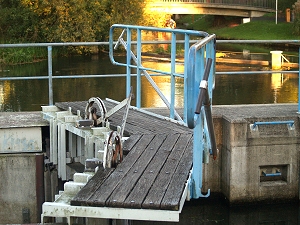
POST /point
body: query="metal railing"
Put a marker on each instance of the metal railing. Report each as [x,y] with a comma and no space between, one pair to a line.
[266,4]
[50,75]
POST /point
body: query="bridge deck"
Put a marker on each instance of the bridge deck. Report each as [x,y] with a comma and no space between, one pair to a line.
[155,171]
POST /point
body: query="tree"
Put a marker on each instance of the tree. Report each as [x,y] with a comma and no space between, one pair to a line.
[296,22]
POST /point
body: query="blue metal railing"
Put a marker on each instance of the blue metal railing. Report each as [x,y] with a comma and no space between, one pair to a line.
[129,30]
[197,59]
[50,46]
[288,122]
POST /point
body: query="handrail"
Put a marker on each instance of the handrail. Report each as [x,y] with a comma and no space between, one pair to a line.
[50,77]
[267,4]
[127,31]
[288,122]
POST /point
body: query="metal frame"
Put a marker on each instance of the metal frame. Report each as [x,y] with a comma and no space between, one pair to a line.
[195,58]
[130,30]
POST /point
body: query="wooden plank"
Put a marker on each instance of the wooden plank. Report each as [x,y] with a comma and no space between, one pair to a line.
[130,142]
[161,184]
[152,175]
[105,190]
[119,195]
[174,192]
[141,188]
[93,184]
[137,122]
[97,180]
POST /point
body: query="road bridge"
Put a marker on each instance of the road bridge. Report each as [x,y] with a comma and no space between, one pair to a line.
[242,8]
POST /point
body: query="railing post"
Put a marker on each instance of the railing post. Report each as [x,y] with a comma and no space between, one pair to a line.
[138,64]
[50,75]
[173,64]
[128,60]
[186,55]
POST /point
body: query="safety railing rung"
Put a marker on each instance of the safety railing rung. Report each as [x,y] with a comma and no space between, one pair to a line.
[290,123]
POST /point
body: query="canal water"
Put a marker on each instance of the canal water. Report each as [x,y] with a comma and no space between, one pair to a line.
[29,95]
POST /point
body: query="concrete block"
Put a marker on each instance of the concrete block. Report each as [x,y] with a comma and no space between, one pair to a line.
[18,188]
[49,108]
[82,177]
[21,139]
[71,188]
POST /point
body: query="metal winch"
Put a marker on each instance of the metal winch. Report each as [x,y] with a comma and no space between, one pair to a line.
[96,115]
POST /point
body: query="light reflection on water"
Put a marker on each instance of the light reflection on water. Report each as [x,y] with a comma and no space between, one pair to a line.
[29,95]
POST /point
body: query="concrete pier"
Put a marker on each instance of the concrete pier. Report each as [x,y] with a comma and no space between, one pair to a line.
[21,166]
[245,170]
[260,164]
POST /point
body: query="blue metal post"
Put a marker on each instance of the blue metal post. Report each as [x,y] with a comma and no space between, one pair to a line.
[186,55]
[210,53]
[128,62]
[50,86]
[138,78]
[173,67]
[198,144]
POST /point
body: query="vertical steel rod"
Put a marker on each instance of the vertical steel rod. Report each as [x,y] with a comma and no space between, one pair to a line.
[173,67]
[128,60]
[186,55]
[50,85]
[138,63]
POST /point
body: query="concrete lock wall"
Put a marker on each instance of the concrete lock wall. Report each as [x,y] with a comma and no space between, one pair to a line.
[20,187]
[20,139]
[246,155]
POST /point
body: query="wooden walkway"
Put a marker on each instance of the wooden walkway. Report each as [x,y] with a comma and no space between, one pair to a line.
[154,173]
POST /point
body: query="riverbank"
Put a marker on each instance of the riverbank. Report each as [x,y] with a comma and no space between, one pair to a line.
[263,28]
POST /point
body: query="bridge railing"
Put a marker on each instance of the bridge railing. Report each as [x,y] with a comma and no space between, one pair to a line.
[267,4]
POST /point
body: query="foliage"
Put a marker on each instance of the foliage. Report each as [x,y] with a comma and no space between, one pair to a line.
[284,4]
[296,22]
[64,20]
[17,23]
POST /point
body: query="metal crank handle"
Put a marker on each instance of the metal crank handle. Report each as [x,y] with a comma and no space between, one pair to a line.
[203,86]
[210,128]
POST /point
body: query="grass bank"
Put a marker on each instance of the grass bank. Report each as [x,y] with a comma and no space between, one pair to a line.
[264,28]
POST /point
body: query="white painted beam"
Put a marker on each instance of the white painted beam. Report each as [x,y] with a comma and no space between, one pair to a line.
[52,209]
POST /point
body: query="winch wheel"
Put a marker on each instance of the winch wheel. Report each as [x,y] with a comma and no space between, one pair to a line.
[113,153]
[91,111]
